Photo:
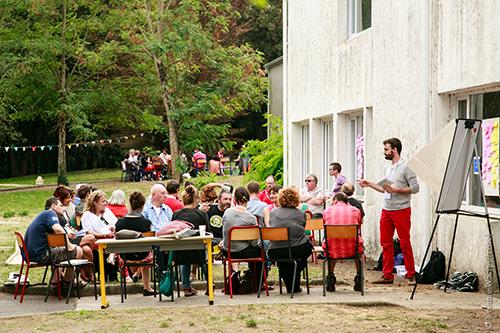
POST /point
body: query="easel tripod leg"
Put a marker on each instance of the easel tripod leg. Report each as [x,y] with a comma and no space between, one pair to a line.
[425,255]
[451,253]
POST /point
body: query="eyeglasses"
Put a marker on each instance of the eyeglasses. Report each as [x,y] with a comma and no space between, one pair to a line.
[309,180]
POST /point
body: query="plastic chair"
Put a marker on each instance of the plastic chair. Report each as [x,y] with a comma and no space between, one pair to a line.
[29,264]
[313,225]
[335,233]
[244,233]
[60,240]
[282,234]
[124,264]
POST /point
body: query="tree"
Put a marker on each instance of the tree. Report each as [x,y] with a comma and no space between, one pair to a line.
[63,59]
[196,74]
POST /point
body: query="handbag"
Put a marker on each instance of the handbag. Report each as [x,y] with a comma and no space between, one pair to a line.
[167,281]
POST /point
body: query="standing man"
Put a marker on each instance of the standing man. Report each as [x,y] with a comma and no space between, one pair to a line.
[398,184]
[334,169]
[155,210]
[264,195]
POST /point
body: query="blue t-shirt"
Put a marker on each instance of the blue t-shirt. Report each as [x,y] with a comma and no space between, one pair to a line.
[256,207]
[36,235]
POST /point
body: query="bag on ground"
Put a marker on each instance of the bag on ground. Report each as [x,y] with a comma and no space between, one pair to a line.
[434,271]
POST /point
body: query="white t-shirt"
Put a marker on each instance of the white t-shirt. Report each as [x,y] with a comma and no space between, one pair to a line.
[99,224]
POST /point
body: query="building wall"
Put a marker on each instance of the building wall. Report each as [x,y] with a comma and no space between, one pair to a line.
[275,89]
[396,74]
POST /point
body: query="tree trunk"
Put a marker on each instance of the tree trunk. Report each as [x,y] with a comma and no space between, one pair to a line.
[172,129]
[61,121]
[61,156]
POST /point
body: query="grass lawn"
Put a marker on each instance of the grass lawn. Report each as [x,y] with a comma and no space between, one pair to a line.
[74,177]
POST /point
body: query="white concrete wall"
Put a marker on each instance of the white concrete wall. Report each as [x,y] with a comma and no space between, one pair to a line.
[393,73]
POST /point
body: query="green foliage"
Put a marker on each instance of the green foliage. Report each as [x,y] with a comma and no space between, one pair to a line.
[252,323]
[205,178]
[9,214]
[266,156]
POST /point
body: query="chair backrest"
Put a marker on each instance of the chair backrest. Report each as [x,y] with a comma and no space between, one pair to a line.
[342,232]
[56,240]
[275,233]
[22,247]
[309,214]
[314,224]
[243,233]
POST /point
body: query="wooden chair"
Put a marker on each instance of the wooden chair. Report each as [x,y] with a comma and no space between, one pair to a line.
[244,233]
[28,263]
[335,233]
[314,225]
[282,234]
[124,264]
[60,240]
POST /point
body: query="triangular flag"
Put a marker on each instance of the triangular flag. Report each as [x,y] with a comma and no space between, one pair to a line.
[69,146]
[142,134]
[77,145]
[126,137]
[85,145]
[16,148]
[42,148]
[93,142]
[6,149]
[33,148]
[110,140]
[24,148]
[50,147]
[101,141]
[133,136]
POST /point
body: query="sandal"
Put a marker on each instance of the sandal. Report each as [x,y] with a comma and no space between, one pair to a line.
[190,292]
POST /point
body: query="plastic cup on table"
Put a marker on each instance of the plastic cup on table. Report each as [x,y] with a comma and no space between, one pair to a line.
[203,229]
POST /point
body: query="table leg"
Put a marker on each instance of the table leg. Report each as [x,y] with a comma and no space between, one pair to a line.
[102,276]
[210,285]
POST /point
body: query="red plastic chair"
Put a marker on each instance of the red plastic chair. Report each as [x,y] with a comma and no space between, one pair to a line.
[243,233]
[29,264]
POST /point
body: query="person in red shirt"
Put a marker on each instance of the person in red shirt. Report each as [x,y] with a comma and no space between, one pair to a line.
[172,199]
[264,195]
[117,204]
[341,213]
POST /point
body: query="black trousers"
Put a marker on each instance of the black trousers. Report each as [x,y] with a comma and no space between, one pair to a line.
[300,254]
[249,252]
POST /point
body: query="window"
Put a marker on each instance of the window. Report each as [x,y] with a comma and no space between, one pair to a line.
[327,154]
[481,106]
[305,151]
[356,162]
[359,16]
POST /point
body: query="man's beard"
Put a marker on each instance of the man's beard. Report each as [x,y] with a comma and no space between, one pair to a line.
[223,207]
[389,157]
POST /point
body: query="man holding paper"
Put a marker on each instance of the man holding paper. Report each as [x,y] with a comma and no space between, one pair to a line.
[398,184]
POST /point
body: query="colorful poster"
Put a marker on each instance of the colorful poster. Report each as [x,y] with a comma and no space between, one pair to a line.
[489,166]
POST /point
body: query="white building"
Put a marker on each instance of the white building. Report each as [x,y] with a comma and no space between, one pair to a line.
[390,68]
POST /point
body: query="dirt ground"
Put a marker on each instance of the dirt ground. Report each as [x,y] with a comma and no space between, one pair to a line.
[252,318]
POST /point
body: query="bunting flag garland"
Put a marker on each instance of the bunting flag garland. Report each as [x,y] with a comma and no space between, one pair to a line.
[73,144]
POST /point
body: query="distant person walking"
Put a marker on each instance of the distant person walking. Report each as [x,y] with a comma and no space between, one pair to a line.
[398,184]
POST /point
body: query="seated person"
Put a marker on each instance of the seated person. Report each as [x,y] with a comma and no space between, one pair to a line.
[117,203]
[313,196]
[172,198]
[198,155]
[36,238]
[135,221]
[273,195]
[197,217]
[239,216]
[339,213]
[215,213]
[287,215]
[257,207]
[214,165]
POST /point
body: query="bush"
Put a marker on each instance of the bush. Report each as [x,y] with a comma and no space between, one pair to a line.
[266,156]
[23,213]
[205,178]
[8,214]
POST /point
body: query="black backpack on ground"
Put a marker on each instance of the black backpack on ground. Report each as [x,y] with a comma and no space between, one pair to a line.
[434,271]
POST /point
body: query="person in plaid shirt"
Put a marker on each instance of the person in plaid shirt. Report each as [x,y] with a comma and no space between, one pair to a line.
[342,213]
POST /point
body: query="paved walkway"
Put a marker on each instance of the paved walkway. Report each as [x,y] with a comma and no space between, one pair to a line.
[425,298]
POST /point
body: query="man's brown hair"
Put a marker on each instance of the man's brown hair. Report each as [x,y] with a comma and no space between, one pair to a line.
[394,143]
[253,187]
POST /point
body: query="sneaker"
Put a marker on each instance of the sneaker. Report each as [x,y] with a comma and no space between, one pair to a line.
[190,292]
[357,283]
[383,280]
